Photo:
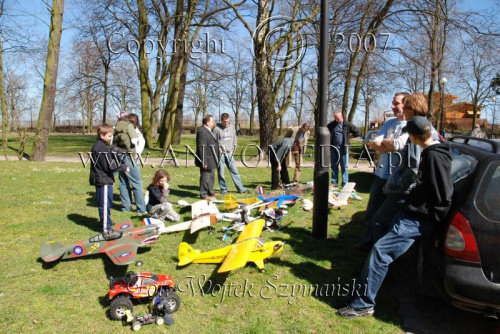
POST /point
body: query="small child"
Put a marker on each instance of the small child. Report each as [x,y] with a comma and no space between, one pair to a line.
[101,176]
[158,206]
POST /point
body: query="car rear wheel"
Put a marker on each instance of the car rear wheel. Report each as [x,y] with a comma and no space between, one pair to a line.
[118,307]
[172,302]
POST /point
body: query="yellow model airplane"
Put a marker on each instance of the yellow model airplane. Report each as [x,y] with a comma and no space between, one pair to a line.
[247,248]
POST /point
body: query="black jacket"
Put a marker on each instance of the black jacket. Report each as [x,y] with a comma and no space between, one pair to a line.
[156,196]
[430,200]
[206,148]
[103,165]
[348,128]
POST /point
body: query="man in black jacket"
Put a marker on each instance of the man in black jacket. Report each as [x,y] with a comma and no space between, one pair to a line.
[101,176]
[207,149]
[426,207]
[340,132]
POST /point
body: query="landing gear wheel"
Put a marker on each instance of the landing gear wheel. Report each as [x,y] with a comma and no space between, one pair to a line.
[159,321]
[118,307]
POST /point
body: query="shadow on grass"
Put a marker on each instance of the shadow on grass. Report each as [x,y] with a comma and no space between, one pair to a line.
[25,155]
[182,194]
[91,223]
[192,188]
[335,280]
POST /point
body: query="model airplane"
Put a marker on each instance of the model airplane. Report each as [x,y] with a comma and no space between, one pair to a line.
[247,248]
[121,251]
[341,199]
[205,214]
[282,200]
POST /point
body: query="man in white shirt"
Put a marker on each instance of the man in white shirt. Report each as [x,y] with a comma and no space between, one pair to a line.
[389,140]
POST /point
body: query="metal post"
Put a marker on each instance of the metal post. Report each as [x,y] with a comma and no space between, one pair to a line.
[442,82]
[494,99]
[321,146]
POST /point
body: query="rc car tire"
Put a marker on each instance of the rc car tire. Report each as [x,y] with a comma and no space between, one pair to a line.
[136,326]
[173,302]
[118,307]
[159,321]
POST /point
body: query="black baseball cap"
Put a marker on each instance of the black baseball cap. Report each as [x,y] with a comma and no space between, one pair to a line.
[418,125]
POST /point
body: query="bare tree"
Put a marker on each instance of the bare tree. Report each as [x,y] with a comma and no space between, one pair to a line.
[269,74]
[477,65]
[123,90]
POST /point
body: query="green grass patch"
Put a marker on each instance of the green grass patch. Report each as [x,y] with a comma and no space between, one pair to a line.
[54,200]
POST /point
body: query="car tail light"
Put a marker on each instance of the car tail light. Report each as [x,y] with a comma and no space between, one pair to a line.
[460,242]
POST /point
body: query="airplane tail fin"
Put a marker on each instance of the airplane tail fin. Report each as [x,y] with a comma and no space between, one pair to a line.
[51,250]
[187,254]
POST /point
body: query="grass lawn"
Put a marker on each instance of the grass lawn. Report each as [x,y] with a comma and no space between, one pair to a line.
[54,200]
[68,145]
[43,200]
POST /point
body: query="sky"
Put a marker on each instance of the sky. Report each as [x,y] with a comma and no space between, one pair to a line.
[37,12]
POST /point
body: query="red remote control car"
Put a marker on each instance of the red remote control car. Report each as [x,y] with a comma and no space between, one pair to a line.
[157,287]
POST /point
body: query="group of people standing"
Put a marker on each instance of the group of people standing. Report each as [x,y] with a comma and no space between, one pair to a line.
[215,148]
[409,197]
[126,142]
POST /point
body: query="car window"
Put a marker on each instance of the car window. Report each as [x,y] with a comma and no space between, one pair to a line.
[462,165]
[488,196]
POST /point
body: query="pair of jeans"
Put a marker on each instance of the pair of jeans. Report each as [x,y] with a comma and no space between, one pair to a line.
[343,160]
[104,195]
[403,234]
[131,182]
[377,197]
[228,159]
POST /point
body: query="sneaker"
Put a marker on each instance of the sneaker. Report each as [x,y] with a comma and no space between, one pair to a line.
[334,186]
[351,312]
[223,192]
[246,191]
[111,235]
[142,214]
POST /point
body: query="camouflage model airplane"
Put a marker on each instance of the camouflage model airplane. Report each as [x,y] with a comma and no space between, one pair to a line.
[121,251]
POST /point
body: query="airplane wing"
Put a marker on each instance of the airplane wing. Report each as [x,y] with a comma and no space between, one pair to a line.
[203,207]
[238,255]
[252,230]
[122,254]
[245,244]
[203,221]
[345,194]
[124,225]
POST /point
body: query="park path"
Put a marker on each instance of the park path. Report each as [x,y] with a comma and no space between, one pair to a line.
[362,166]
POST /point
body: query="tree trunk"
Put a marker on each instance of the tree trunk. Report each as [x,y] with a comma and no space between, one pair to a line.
[105,99]
[41,138]
[267,116]
[3,103]
[144,72]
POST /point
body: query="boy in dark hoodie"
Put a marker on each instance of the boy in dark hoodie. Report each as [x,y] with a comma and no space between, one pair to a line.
[101,176]
[426,207]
